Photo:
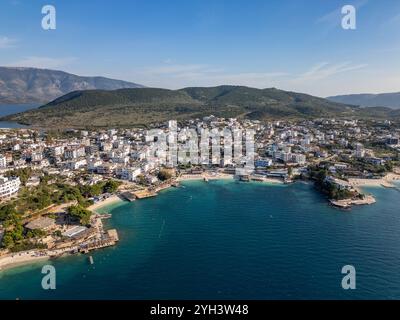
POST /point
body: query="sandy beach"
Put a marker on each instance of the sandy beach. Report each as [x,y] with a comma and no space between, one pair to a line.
[386,181]
[19,259]
[219,176]
[271,180]
[108,201]
[11,260]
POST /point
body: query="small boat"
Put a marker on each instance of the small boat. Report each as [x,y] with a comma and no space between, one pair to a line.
[205,179]
[91,260]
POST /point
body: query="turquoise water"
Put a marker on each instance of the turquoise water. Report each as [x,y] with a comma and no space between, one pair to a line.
[231,240]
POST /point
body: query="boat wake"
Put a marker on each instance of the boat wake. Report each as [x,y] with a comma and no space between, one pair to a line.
[161,229]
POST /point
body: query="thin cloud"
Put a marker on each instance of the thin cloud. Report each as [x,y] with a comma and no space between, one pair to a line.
[393,21]
[325,70]
[181,75]
[331,19]
[6,42]
[43,62]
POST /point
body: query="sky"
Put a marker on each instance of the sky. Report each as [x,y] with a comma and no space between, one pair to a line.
[296,45]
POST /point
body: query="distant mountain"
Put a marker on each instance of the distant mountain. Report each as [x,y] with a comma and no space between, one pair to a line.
[142,106]
[391,100]
[31,85]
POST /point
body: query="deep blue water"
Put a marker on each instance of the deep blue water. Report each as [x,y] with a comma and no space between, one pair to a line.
[231,240]
[7,109]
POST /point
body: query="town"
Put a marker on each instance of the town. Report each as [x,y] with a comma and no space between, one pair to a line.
[53,181]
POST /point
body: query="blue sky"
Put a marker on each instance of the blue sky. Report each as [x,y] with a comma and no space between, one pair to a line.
[294,45]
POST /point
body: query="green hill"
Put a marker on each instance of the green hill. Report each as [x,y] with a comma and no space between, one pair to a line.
[142,106]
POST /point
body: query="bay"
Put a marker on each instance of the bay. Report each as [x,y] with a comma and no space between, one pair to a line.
[8,109]
[232,240]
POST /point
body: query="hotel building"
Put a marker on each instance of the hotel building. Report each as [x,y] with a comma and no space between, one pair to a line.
[9,186]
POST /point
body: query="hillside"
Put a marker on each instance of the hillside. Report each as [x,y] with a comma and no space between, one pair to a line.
[31,85]
[391,100]
[142,106]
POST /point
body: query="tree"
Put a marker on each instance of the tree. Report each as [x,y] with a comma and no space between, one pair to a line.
[57,233]
[111,186]
[24,174]
[13,237]
[141,179]
[35,234]
[79,213]
[164,174]
[7,241]
[7,212]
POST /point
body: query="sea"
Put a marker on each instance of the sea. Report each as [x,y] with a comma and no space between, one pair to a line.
[7,109]
[232,240]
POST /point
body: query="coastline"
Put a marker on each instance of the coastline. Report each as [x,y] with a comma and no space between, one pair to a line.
[348,203]
[111,200]
[314,209]
[219,176]
[386,181]
[358,184]
[222,176]
[18,259]
[24,258]
[10,262]
[102,239]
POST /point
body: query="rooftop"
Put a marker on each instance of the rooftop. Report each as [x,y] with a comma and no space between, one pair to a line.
[40,223]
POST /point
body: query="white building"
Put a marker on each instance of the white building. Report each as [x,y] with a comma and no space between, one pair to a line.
[280,155]
[76,164]
[298,158]
[3,162]
[37,156]
[263,163]
[56,151]
[105,146]
[341,184]
[9,186]
[360,151]
[128,173]
[94,163]
[75,152]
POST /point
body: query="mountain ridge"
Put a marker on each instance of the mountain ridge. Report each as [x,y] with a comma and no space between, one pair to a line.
[391,99]
[20,85]
[143,106]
